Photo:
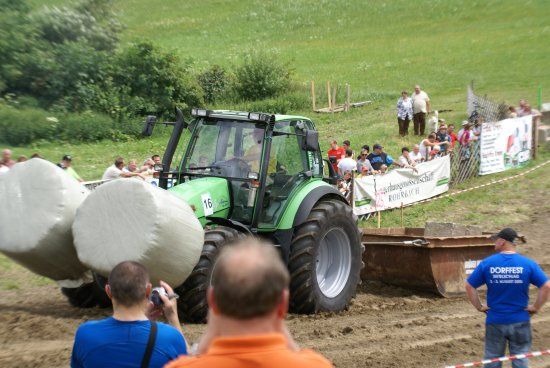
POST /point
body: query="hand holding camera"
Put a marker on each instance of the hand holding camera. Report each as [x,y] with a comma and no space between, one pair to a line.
[163,301]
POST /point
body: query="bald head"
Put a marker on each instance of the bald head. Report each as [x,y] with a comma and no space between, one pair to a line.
[248,279]
[6,154]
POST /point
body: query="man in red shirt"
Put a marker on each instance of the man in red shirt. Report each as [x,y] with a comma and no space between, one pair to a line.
[335,154]
[451,132]
[248,300]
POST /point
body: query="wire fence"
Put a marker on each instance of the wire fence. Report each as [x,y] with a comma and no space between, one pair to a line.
[484,108]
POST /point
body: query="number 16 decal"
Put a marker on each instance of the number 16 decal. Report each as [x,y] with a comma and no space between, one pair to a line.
[207,204]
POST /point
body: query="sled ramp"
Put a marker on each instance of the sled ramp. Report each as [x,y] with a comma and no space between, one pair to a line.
[406,257]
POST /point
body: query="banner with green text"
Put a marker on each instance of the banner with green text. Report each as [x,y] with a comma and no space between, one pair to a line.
[401,186]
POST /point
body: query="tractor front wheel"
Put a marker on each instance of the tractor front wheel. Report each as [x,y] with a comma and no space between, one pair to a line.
[325,259]
[89,295]
[192,304]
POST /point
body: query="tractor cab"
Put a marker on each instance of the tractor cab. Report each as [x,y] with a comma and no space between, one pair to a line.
[263,159]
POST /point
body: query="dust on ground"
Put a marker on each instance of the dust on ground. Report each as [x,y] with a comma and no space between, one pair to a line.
[384,327]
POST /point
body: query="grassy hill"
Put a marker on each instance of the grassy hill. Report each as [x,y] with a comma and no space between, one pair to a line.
[380,47]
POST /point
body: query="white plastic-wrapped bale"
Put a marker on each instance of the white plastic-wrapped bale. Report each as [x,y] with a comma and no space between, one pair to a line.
[130,220]
[38,203]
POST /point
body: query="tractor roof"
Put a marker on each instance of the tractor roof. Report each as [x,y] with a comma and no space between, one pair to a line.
[243,115]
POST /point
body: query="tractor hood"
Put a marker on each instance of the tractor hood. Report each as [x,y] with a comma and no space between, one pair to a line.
[206,196]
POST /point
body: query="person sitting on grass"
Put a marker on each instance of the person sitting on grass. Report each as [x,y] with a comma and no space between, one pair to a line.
[441,137]
[363,164]
[347,163]
[434,153]
[405,160]
[248,299]
[131,338]
[378,157]
[415,155]
[344,185]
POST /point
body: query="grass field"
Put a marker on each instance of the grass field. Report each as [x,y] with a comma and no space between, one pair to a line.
[380,47]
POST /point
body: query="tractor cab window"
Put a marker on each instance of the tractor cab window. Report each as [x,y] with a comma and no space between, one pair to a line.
[224,148]
[286,171]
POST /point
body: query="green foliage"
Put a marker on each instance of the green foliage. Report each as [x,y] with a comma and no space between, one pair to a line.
[261,75]
[214,82]
[85,127]
[90,22]
[25,126]
[16,41]
[284,104]
[152,81]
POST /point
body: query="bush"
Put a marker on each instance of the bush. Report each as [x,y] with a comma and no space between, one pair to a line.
[25,126]
[285,104]
[85,127]
[214,82]
[261,75]
[153,82]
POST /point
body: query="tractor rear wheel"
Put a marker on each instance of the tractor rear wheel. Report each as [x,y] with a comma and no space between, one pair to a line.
[325,259]
[192,304]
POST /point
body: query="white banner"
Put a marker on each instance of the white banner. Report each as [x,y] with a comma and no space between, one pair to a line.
[505,144]
[401,186]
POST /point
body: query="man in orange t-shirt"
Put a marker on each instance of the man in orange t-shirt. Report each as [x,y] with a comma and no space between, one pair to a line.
[335,154]
[248,300]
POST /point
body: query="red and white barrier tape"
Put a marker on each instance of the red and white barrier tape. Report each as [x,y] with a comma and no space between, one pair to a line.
[502,359]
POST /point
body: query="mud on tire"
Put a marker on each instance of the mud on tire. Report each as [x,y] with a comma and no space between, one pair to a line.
[192,304]
[325,259]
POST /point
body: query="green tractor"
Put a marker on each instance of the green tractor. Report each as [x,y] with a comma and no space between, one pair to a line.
[261,174]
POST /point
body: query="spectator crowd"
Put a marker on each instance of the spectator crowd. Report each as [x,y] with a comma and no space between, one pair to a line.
[119,169]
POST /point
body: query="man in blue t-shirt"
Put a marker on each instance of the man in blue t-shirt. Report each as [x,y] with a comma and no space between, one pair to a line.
[507,276]
[122,340]
[378,157]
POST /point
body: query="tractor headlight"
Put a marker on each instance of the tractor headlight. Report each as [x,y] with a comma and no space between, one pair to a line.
[253,175]
[258,116]
[200,112]
[157,167]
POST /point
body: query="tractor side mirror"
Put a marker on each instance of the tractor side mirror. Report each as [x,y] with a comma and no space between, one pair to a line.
[311,141]
[148,126]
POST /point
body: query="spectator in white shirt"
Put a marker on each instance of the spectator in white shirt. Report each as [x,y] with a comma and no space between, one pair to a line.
[421,107]
[116,171]
[405,160]
[347,163]
[415,155]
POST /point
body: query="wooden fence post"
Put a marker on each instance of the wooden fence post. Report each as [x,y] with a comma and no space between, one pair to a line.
[313,95]
[346,108]
[329,96]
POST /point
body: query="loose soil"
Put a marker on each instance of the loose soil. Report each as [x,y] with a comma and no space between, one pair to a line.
[384,327]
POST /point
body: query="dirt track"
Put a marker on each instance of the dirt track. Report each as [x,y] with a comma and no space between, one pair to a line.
[385,327]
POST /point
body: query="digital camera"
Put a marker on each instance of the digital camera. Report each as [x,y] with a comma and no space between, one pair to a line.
[155,296]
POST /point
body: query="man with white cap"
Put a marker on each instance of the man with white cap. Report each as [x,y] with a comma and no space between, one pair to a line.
[507,275]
